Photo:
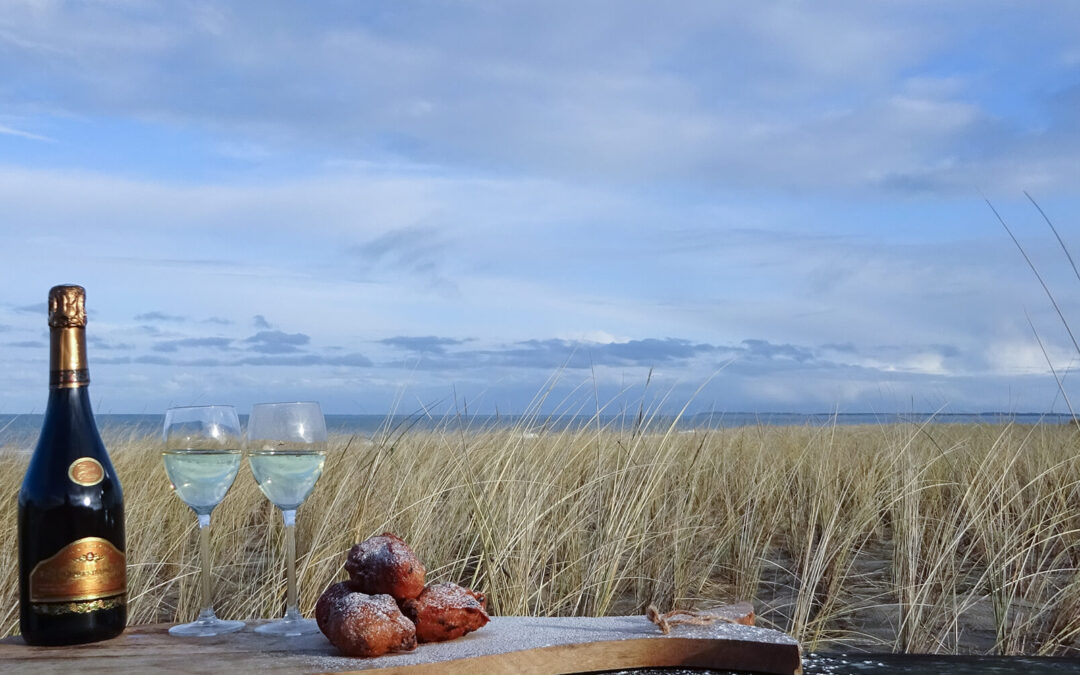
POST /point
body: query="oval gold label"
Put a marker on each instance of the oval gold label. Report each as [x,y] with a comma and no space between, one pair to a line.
[86,471]
[86,569]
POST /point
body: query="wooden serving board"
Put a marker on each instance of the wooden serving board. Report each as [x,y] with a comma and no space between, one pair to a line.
[509,644]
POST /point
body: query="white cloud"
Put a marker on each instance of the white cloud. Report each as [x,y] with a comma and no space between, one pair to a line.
[24,134]
[1025,357]
[600,337]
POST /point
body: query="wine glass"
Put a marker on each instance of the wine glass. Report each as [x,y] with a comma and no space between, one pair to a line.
[202,455]
[286,445]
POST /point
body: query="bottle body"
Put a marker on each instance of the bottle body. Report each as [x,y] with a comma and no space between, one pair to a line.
[72,575]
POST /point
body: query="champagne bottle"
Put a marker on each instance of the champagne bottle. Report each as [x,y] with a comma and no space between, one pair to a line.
[72,576]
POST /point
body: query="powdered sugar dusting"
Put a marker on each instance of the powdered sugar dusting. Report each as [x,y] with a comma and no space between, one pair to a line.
[449,596]
[445,612]
[378,607]
[517,633]
[385,564]
[361,624]
[387,550]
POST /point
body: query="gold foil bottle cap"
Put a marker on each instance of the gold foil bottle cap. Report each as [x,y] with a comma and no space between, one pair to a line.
[67,307]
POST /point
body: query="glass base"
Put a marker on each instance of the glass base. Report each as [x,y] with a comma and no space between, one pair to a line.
[289,626]
[206,626]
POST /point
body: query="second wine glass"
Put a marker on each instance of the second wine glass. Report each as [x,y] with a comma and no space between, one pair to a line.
[286,444]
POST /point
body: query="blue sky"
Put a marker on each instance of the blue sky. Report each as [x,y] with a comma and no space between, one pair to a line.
[771,206]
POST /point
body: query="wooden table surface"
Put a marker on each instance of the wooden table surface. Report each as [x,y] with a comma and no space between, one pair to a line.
[508,644]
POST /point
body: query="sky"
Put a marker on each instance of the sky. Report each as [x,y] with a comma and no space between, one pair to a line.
[498,205]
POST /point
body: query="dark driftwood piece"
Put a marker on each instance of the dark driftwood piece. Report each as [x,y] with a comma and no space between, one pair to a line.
[509,644]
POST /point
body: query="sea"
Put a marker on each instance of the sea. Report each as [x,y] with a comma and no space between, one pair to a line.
[20,431]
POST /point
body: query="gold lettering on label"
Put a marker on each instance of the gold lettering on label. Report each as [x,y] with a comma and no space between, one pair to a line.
[87,569]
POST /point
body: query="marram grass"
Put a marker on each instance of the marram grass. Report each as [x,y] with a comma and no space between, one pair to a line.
[940,538]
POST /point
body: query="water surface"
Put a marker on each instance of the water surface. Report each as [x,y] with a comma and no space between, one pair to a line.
[22,430]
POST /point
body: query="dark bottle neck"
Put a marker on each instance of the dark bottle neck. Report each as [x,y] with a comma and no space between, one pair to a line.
[74,401]
[67,358]
[69,408]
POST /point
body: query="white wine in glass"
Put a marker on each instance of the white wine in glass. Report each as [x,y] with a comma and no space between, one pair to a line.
[202,455]
[286,444]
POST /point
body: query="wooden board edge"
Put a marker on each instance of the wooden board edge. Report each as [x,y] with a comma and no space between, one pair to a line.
[648,652]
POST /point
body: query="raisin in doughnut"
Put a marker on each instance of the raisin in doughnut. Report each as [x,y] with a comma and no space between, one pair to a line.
[446,612]
[385,564]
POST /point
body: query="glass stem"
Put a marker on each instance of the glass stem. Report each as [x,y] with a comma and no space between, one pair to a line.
[204,553]
[292,609]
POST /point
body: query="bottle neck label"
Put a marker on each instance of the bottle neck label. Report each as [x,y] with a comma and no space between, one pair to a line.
[67,358]
[86,471]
